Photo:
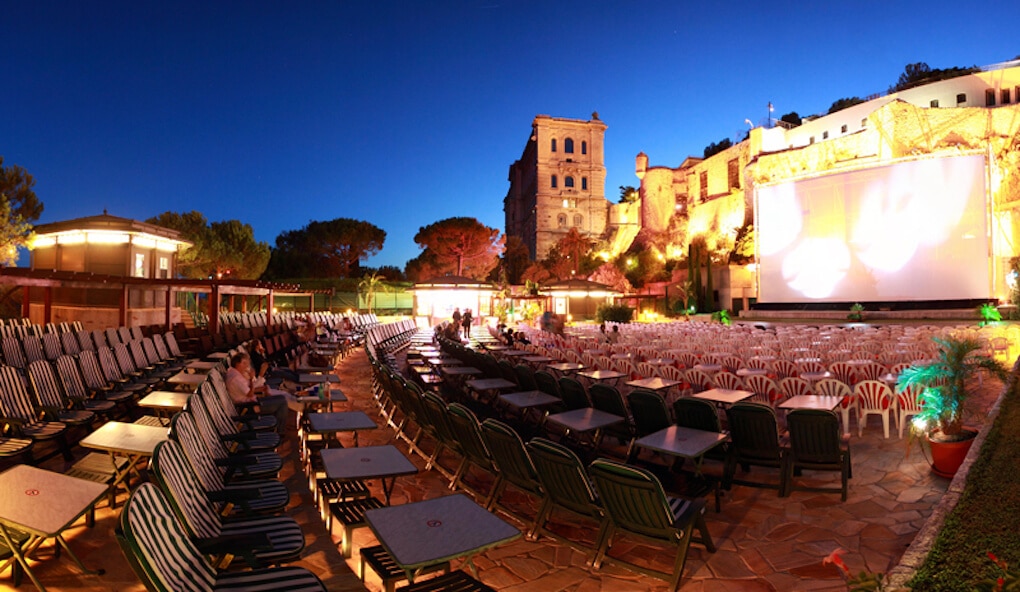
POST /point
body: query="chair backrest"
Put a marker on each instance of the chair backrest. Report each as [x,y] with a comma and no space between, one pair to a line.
[909,399]
[844,372]
[525,377]
[13,354]
[698,380]
[468,432]
[563,477]
[726,380]
[754,432]
[785,368]
[99,338]
[510,455]
[435,408]
[633,499]
[573,394]
[91,370]
[44,385]
[14,400]
[69,343]
[547,383]
[794,386]
[33,348]
[697,414]
[70,378]
[214,407]
[873,394]
[814,436]
[181,486]
[764,388]
[649,411]
[870,371]
[51,346]
[85,340]
[605,397]
[161,553]
[830,387]
[184,431]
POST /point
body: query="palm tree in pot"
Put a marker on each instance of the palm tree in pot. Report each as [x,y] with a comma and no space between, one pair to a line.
[944,395]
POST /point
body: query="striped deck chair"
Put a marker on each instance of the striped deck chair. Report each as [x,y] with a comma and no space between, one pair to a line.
[276,539]
[244,440]
[14,356]
[151,367]
[161,352]
[112,373]
[256,465]
[96,382]
[252,420]
[51,346]
[165,559]
[246,498]
[85,342]
[50,397]
[75,389]
[33,348]
[128,367]
[99,338]
[24,419]
[70,344]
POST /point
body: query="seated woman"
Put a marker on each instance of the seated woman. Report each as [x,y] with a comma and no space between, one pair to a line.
[242,385]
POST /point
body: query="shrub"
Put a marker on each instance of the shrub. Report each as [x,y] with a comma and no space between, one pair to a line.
[617,313]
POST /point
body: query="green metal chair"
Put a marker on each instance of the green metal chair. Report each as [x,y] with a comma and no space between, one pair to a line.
[573,394]
[605,397]
[754,440]
[816,444]
[165,559]
[636,504]
[525,377]
[566,487]
[465,428]
[514,465]
[650,414]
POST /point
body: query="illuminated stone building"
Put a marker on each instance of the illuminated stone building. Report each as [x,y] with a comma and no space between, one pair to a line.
[558,183]
[866,191]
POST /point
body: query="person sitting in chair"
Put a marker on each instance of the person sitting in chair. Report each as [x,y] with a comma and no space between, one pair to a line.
[242,385]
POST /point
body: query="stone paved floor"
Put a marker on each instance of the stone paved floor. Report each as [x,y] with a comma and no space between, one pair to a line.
[764,542]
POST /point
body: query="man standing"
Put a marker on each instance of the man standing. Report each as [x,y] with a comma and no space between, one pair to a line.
[467,323]
[456,320]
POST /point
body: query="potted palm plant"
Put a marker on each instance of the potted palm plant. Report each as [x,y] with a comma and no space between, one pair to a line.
[944,383]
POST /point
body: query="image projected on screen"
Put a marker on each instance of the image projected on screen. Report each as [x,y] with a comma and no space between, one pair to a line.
[908,231]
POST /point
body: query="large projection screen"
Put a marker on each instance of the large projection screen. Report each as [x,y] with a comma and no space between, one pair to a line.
[913,230]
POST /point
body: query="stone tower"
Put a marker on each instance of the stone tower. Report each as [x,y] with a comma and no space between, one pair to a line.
[559,183]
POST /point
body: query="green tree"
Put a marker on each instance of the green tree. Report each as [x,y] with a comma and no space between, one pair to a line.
[19,208]
[461,246]
[515,260]
[717,147]
[843,103]
[368,286]
[576,249]
[220,249]
[793,118]
[920,73]
[331,248]
[628,194]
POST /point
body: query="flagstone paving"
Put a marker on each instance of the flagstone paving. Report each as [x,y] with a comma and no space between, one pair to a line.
[765,543]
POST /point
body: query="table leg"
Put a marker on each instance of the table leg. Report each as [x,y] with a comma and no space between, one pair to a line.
[388,489]
[63,543]
[18,560]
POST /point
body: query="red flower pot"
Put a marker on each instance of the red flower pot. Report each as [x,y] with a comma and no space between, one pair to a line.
[947,456]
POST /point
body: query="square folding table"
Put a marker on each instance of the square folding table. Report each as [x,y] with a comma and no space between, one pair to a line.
[42,504]
[383,462]
[438,530]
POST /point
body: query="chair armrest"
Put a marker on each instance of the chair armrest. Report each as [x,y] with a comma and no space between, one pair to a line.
[236,461]
[234,495]
[241,545]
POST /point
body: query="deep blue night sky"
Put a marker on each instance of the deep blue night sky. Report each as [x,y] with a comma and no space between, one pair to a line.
[404,113]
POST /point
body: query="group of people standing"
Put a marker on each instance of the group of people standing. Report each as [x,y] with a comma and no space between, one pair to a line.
[462,321]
